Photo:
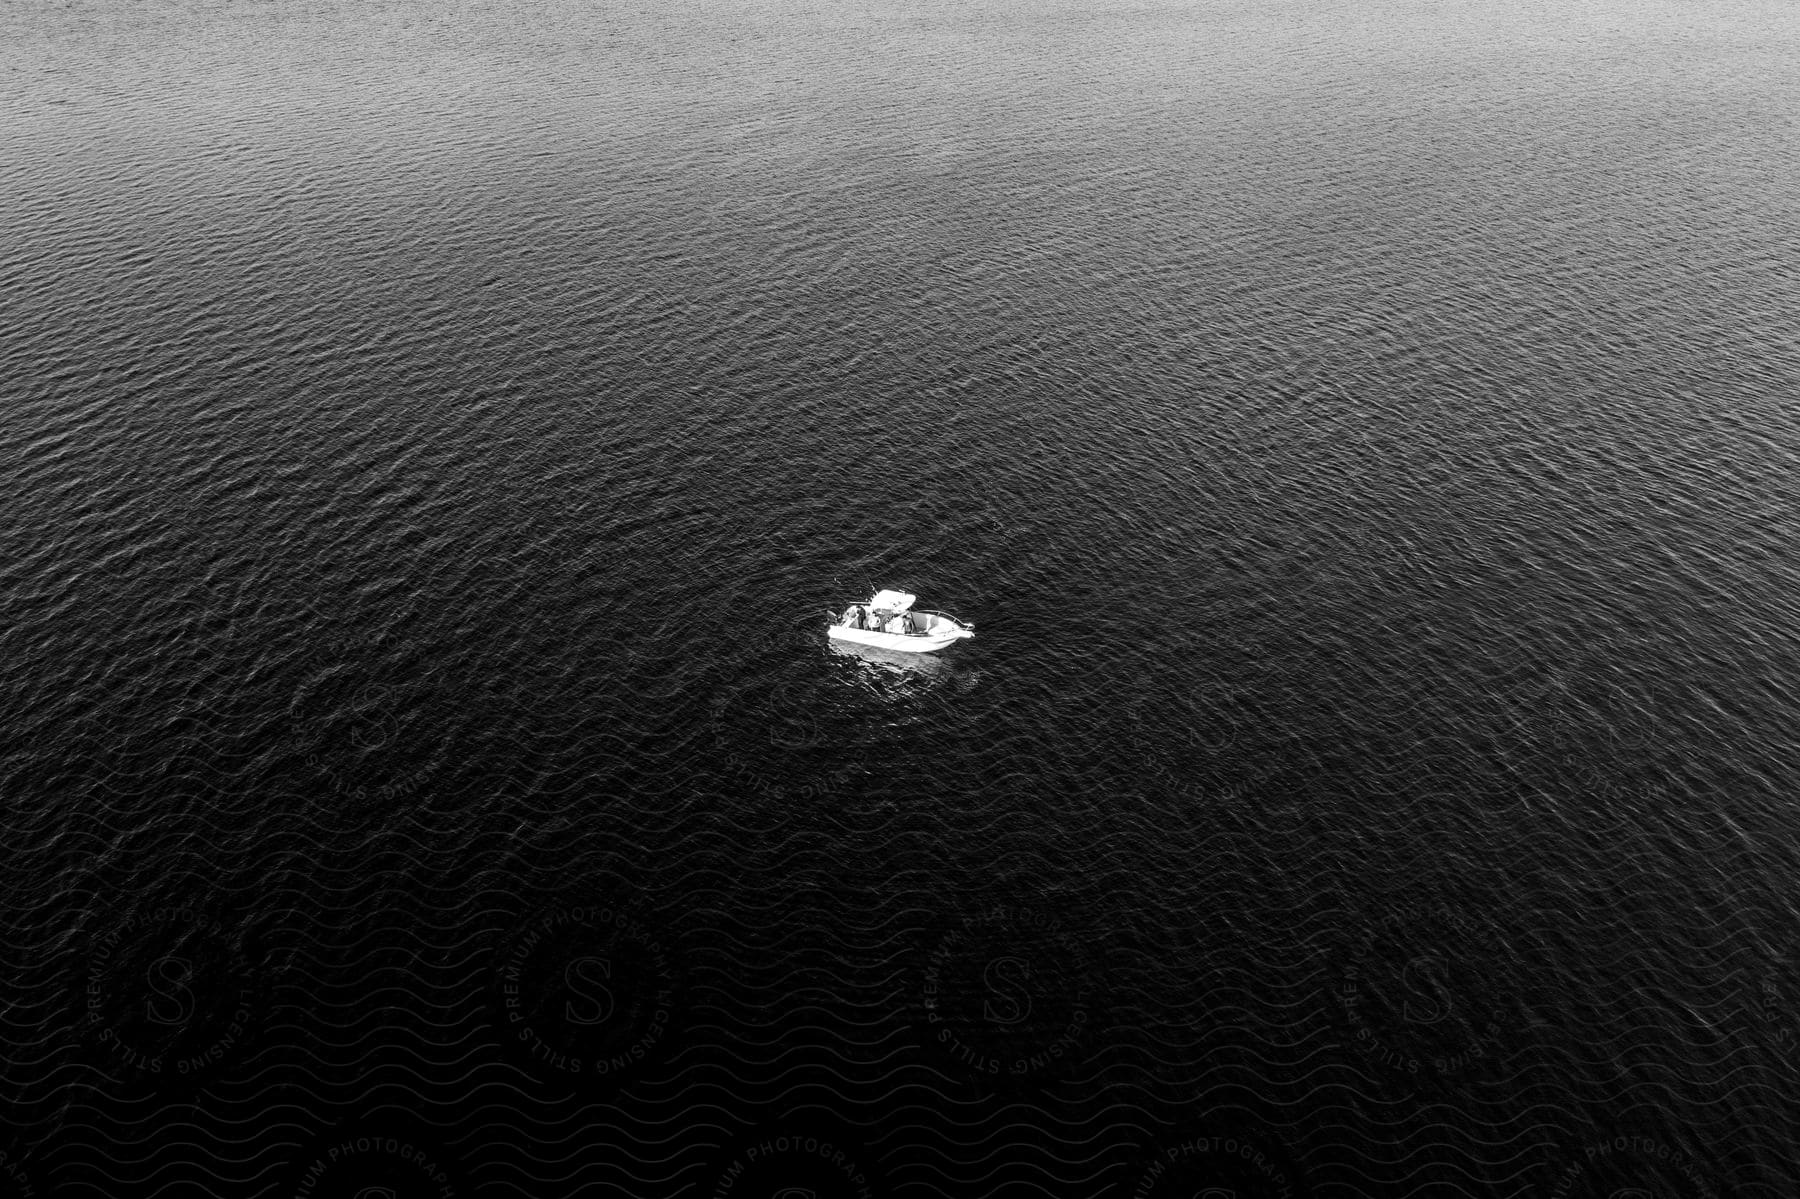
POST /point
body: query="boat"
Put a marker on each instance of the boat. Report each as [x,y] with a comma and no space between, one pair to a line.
[890,621]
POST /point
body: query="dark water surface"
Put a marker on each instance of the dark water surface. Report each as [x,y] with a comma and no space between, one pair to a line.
[1363,437]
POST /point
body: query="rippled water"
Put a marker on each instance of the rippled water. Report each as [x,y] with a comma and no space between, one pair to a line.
[1362,437]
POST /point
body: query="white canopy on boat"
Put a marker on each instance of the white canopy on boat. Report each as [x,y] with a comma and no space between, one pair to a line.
[892,601]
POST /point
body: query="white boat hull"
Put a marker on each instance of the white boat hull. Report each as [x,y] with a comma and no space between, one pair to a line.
[934,631]
[918,643]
